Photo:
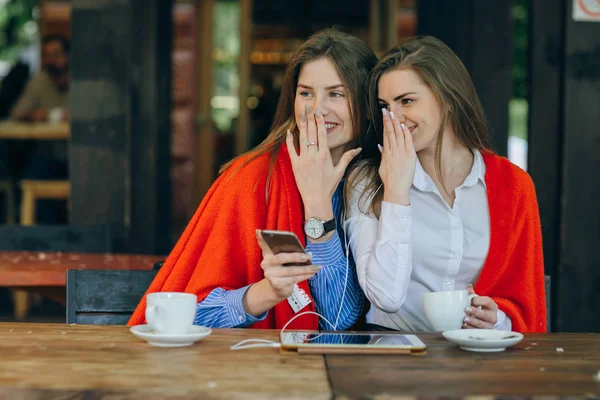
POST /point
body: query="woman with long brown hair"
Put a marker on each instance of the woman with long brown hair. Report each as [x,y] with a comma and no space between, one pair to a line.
[293,181]
[434,209]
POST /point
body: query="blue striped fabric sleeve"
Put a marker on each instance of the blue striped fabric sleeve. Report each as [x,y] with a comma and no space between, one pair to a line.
[225,309]
[335,288]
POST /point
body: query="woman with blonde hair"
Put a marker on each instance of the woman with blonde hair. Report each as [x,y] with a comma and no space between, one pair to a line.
[293,181]
[434,209]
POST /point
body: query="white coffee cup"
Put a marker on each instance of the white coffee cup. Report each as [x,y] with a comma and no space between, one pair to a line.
[445,311]
[170,312]
[56,114]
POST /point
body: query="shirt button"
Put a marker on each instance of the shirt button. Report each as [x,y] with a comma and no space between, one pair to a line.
[454,255]
[241,317]
[457,225]
[406,231]
[403,262]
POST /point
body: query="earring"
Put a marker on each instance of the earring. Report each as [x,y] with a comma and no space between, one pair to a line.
[450,108]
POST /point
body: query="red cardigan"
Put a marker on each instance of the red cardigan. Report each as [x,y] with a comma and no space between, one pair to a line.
[513,273]
[219,248]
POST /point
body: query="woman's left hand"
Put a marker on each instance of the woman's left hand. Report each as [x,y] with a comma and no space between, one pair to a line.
[482,313]
[316,175]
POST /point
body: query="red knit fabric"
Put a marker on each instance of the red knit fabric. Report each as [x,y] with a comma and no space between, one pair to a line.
[513,273]
[219,248]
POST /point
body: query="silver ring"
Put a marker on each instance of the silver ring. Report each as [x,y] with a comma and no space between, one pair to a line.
[310,144]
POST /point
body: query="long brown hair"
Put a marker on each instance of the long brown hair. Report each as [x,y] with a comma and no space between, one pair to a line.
[353,61]
[443,72]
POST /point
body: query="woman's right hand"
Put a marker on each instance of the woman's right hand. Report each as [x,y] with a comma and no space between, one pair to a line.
[398,160]
[314,171]
[279,281]
[283,278]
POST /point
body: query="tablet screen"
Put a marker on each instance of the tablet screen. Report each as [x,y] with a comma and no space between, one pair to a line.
[345,339]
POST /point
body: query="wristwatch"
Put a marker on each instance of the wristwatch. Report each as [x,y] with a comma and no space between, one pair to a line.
[315,228]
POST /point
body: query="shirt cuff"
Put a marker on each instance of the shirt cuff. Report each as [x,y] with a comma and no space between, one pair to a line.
[504,323]
[395,223]
[235,305]
[326,253]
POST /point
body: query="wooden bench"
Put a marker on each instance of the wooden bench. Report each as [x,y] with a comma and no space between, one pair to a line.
[51,238]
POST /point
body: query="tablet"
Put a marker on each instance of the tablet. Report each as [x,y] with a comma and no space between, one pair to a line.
[351,343]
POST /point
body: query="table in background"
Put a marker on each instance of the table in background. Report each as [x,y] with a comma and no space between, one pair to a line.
[34,131]
[45,272]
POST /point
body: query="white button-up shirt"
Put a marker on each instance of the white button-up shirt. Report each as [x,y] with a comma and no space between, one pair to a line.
[425,247]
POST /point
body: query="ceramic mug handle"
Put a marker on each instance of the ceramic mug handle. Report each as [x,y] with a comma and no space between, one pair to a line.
[153,319]
[471,297]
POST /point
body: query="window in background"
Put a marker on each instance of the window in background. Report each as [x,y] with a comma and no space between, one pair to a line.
[519,104]
[225,101]
[18,31]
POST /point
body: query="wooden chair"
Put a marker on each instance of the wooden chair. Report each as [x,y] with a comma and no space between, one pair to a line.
[548,287]
[158,265]
[105,297]
[92,239]
[7,187]
[32,190]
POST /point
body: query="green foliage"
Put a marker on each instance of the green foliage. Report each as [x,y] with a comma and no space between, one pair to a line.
[520,17]
[17,27]
[518,106]
[225,68]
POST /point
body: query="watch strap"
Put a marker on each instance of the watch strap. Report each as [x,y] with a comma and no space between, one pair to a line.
[329,226]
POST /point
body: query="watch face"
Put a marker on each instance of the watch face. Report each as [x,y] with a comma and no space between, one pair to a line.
[313,228]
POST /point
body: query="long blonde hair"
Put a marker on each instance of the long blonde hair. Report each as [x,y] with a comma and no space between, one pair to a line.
[353,61]
[443,72]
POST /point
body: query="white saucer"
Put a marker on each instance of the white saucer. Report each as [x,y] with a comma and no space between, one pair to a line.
[170,340]
[485,340]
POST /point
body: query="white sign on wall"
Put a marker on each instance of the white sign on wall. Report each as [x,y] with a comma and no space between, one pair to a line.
[586,10]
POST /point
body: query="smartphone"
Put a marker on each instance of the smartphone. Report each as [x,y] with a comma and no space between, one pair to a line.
[284,242]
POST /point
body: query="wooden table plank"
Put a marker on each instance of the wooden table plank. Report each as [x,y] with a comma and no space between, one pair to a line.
[34,131]
[531,368]
[86,361]
[39,269]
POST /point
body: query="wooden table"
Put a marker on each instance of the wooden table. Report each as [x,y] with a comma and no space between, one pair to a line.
[78,361]
[45,272]
[34,131]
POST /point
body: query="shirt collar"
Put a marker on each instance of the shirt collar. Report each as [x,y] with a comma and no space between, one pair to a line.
[423,182]
[477,171]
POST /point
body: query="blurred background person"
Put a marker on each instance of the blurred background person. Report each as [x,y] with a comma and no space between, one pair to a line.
[46,97]
[46,100]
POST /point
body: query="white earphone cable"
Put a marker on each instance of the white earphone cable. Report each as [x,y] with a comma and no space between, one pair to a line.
[255,342]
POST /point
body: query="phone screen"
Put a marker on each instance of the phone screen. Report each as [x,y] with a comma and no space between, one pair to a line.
[335,338]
